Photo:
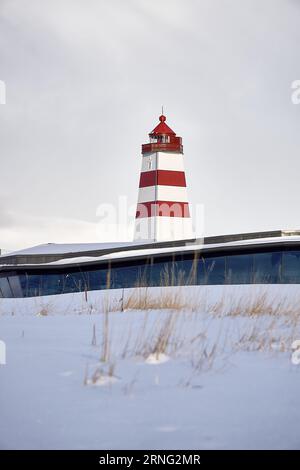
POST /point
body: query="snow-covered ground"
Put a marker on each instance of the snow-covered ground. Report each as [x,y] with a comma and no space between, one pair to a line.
[203,368]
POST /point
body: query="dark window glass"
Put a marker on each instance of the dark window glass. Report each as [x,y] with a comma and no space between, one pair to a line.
[183,272]
[75,282]
[128,276]
[34,285]
[15,285]
[239,269]
[189,272]
[186,272]
[97,279]
[162,273]
[291,267]
[174,273]
[267,268]
[143,275]
[5,287]
[52,284]
[201,272]
[23,282]
[215,270]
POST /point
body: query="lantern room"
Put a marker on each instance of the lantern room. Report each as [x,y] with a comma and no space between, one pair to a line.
[163,139]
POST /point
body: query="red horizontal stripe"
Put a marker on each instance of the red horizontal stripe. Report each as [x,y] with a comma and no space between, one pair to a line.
[163,178]
[162,209]
[148,178]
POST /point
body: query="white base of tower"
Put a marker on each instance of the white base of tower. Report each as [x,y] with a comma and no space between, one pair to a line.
[163,228]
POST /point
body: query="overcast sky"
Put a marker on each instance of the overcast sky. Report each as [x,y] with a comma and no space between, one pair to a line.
[85,83]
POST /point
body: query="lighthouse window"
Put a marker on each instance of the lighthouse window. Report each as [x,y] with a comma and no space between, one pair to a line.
[161,139]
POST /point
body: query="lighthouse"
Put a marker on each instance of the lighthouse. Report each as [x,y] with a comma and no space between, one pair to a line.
[163,209]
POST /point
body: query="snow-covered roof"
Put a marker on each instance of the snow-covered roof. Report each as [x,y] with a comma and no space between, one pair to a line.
[53,254]
[63,248]
[156,251]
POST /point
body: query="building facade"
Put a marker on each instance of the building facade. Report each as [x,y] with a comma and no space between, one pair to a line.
[271,259]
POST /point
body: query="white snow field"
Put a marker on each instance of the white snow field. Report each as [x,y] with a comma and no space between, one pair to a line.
[163,368]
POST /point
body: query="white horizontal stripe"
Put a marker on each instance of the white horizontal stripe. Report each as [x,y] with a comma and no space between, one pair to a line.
[163,228]
[163,193]
[149,162]
[163,161]
[170,161]
[147,194]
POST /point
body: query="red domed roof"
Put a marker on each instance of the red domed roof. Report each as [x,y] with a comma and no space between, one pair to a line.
[162,127]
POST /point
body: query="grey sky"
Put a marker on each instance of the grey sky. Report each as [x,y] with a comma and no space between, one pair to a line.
[85,84]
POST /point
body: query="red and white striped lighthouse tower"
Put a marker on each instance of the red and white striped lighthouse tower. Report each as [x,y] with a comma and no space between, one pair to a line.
[163,208]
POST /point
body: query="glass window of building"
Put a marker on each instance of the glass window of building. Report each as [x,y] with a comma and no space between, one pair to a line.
[215,270]
[75,282]
[97,280]
[162,273]
[291,267]
[267,267]
[174,272]
[239,269]
[33,285]
[5,287]
[52,284]
[128,276]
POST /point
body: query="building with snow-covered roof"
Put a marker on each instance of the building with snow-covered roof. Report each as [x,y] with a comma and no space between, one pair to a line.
[256,258]
[164,252]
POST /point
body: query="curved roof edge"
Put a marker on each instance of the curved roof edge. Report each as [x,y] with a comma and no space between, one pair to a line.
[76,254]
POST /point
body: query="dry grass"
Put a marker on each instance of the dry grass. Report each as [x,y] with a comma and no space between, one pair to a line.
[272,336]
[257,323]
[100,374]
[177,299]
[105,346]
[202,333]
[94,336]
[261,304]
[143,299]
[158,337]
[157,333]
